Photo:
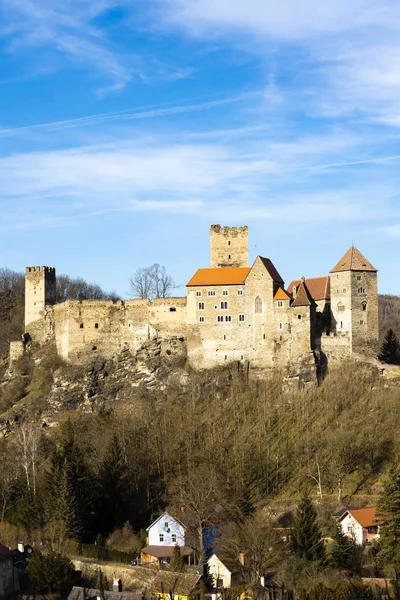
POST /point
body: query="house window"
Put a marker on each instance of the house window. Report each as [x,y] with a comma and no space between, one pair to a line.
[225,292]
[240,292]
[96,325]
[228,318]
[373,529]
[211,293]
[241,318]
[279,303]
[173,538]
[361,290]
[220,583]
[198,294]
[341,307]
[161,537]
[201,319]
[258,305]
[224,305]
[201,305]
[166,525]
[364,306]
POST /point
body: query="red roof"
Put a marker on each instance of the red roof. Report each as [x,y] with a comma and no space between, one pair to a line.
[319,287]
[353,260]
[220,276]
[281,294]
[365,516]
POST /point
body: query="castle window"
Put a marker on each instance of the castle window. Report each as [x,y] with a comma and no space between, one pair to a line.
[361,290]
[299,316]
[224,305]
[201,319]
[344,290]
[294,289]
[211,293]
[81,326]
[358,277]
[263,336]
[172,309]
[229,255]
[96,325]
[226,357]
[240,292]
[341,307]
[220,318]
[258,306]
[229,243]
[201,305]
[224,337]
[228,318]
[225,292]
[198,293]
[215,306]
[341,324]
[280,337]
[364,306]
[279,303]
[241,358]
[361,322]
[280,326]
[241,318]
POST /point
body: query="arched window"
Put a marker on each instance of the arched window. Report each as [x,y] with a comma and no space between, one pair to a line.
[364,306]
[340,307]
[258,305]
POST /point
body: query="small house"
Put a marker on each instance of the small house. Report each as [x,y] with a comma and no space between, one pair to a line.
[224,571]
[360,524]
[163,535]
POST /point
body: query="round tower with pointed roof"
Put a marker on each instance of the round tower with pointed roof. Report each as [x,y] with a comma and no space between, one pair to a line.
[354,300]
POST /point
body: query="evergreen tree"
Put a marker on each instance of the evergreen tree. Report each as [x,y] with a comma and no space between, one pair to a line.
[51,572]
[113,487]
[390,349]
[389,511]
[343,552]
[306,539]
[177,563]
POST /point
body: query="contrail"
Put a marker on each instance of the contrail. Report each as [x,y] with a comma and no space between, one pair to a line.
[340,164]
[130,114]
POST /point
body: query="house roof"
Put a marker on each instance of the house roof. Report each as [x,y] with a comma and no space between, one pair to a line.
[365,516]
[166,551]
[80,593]
[319,287]
[303,296]
[281,294]
[180,584]
[219,276]
[353,260]
[271,270]
[166,514]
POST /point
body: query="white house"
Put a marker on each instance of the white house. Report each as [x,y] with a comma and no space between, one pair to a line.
[163,535]
[224,571]
[360,524]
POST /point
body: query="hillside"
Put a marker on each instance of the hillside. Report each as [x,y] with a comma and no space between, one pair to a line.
[389,314]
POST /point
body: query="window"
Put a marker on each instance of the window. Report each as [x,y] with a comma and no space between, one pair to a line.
[166,525]
[172,309]
[240,292]
[241,318]
[341,324]
[280,325]
[279,303]
[201,319]
[161,537]
[341,307]
[81,326]
[224,337]
[361,322]
[220,583]
[215,306]
[173,538]
[226,357]
[201,305]
[358,277]
[294,289]
[373,529]
[198,294]
[96,325]
[361,290]
[224,305]
[220,318]
[228,318]
[364,306]
[211,293]
[263,336]
[344,290]
[229,243]
[225,292]
[229,255]
[258,305]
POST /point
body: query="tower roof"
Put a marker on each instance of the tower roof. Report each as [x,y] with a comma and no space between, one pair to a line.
[353,260]
[303,296]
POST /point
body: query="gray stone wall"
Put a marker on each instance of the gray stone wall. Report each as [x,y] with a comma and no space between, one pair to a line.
[229,246]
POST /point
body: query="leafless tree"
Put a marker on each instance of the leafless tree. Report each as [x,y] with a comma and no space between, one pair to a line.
[151,282]
[27,444]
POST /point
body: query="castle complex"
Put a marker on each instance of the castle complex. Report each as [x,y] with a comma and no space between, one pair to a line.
[232,312]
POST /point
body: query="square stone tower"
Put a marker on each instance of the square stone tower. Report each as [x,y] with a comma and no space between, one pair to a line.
[40,291]
[229,246]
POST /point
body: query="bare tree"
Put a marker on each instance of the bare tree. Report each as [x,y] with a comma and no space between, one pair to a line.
[27,443]
[151,282]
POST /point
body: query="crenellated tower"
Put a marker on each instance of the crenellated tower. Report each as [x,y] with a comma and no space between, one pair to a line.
[354,299]
[40,291]
[229,246]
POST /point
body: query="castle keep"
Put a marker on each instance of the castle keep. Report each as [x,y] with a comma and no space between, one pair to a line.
[232,312]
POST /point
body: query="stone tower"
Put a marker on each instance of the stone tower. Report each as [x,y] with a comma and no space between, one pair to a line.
[40,291]
[229,246]
[354,299]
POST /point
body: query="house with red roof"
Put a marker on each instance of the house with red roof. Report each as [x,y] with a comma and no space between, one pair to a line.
[360,524]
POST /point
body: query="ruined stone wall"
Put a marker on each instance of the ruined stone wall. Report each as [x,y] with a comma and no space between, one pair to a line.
[40,291]
[336,346]
[229,246]
[168,316]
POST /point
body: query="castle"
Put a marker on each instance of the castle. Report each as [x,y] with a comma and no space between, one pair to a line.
[232,312]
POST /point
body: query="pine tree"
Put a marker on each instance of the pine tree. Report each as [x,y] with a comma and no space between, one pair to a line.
[389,510]
[390,349]
[343,553]
[306,538]
[113,487]
[177,563]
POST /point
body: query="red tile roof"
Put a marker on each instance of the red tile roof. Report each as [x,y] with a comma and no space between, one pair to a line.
[303,296]
[319,287]
[281,294]
[353,260]
[220,276]
[365,516]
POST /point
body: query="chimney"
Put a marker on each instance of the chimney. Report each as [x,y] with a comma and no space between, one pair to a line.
[241,558]
[21,546]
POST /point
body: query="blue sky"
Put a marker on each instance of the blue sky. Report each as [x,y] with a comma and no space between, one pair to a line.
[127,127]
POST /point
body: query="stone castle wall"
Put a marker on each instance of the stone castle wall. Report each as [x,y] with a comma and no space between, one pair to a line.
[229,246]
